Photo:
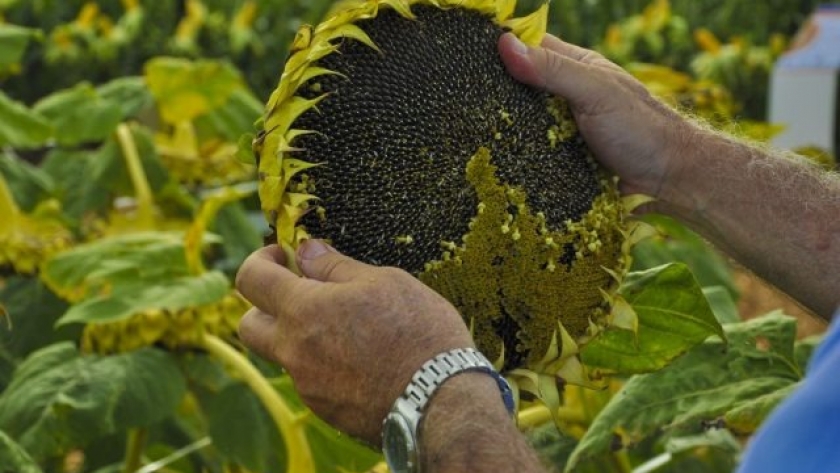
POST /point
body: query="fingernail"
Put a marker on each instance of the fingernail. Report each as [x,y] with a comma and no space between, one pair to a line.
[312,249]
[518,46]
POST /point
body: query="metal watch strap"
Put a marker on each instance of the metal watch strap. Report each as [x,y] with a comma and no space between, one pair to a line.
[399,432]
[434,372]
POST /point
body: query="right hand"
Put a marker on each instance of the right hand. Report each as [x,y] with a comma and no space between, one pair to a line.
[629,132]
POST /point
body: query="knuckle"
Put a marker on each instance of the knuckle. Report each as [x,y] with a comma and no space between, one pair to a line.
[335,266]
[242,276]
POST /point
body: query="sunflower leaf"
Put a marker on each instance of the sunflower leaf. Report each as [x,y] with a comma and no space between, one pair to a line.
[60,400]
[14,458]
[134,297]
[738,381]
[673,315]
[20,126]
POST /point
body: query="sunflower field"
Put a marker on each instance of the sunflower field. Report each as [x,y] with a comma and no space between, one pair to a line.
[130,195]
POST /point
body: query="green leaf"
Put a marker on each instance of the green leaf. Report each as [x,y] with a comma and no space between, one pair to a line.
[13,42]
[82,180]
[678,243]
[712,451]
[234,118]
[131,298]
[746,418]
[722,304]
[80,115]
[14,459]
[805,349]
[673,314]
[130,94]
[32,310]
[704,385]
[29,185]
[185,90]
[242,429]
[59,400]
[240,236]
[21,127]
[245,150]
[87,181]
[125,258]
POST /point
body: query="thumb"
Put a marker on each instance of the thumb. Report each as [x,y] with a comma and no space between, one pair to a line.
[549,70]
[321,262]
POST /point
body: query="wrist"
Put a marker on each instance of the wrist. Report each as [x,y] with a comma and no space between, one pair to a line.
[685,157]
[466,428]
[402,425]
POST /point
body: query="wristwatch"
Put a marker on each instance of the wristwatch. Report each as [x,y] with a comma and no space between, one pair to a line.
[399,432]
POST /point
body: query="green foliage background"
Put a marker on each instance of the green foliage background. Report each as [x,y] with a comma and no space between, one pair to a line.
[124,214]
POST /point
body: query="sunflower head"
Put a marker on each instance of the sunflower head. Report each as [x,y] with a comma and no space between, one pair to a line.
[397,134]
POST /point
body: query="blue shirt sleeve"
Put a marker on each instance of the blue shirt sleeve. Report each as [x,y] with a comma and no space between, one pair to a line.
[803,434]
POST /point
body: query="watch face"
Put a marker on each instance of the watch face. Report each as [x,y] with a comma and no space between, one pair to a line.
[398,444]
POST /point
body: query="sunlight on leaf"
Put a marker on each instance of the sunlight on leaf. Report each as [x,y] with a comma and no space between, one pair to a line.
[133,297]
[185,89]
[674,316]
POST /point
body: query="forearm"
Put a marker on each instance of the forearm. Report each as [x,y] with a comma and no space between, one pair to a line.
[775,213]
[466,428]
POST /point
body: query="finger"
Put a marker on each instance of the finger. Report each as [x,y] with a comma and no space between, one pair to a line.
[259,332]
[587,56]
[558,74]
[322,262]
[264,280]
[553,43]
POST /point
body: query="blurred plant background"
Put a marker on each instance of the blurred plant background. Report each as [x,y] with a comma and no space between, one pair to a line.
[124,213]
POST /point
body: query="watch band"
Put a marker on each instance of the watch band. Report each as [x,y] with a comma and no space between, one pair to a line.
[434,372]
[400,426]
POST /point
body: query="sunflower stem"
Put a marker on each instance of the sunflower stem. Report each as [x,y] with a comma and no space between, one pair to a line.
[297,445]
[142,189]
[134,449]
[539,415]
[206,214]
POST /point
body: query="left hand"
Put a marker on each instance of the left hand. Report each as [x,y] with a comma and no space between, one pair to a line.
[350,335]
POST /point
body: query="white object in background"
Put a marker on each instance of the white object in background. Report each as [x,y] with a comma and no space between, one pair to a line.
[805,86]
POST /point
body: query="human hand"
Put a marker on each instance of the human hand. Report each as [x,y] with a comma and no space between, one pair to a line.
[628,131]
[350,335]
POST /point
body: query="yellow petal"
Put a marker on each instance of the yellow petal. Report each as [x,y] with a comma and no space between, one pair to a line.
[348,16]
[623,315]
[568,344]
[504,10]
[542,386]
[532,28]
[288,112]
[500,361]
[572,372]
[633,202]
[312,72]
[402,7]
[293,166]
[303,38]
[639,231]
[353,32]
[271,193]
[297,200]
[286,221]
